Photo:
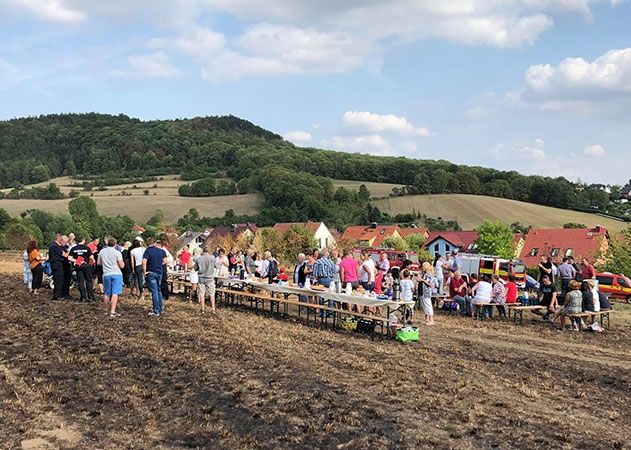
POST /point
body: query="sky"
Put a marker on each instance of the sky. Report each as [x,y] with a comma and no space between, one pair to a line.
[538,86]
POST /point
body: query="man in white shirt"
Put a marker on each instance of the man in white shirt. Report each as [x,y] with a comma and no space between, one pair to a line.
[367,271]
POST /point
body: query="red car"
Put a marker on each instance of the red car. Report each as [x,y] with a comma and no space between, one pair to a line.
[616,286]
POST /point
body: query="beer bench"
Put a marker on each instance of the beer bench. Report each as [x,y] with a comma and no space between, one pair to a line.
[519,311]
[578,317]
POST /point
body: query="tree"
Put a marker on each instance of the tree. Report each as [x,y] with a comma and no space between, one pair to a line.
[573,225]
[415,241]
[70,169]
[157,220]
[296,240]
[363,195]
[440,181]
[469,182]
[422,183]
[617,258]
[395,243]
[495,238]
[19,232]
[4,218]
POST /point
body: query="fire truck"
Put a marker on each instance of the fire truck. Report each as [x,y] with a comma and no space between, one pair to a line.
[395,257]
[493,265]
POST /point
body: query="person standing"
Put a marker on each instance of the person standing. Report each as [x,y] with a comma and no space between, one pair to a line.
[95,247]
[185,258]
[498,294]
[428,285]
[27,275]
[324,269]
[348,271]
[35,265]
[67,268]
[299,271]
[56,256]
[127,270]
[438,270]
[567,273]
[367,271]
[153,261]
[82,257]
[136,253]
[111,261]
[545,268]
[587,270]
[205,268]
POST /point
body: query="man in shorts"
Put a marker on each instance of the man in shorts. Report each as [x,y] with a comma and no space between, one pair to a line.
[205,267]
[111,260]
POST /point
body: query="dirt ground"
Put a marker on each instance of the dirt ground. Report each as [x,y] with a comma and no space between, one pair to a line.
[72,378]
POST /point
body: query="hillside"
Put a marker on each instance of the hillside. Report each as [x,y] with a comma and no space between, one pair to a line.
[162,195]
[471,210]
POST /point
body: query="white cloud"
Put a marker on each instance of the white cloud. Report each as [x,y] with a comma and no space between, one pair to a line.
[199,42]
[298,137]
[577,82]
[287,50]
[49,10]
[10,74]
[519,151]
[378,123]
[373,144]
[594,150]
[152,65]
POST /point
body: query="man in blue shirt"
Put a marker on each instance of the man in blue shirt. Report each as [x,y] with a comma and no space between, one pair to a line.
[152,266]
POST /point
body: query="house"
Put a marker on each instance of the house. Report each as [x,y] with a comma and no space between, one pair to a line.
[236,230]
[405,232]
[323,236]
[192,239]
[371,236]
[560,242]
[445,242]
[138,229]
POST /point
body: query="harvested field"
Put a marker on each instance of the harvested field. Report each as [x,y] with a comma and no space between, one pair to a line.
[72,378]
[377,190]
[471,210]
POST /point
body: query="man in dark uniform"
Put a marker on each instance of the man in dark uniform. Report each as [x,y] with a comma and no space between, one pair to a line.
[67,266]
[56,256]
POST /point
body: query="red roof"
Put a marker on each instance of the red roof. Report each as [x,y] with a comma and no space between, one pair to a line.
[405,232]
[557,242]
[460,239]
[234,230]
[362,233]
[138,228]
[281,228]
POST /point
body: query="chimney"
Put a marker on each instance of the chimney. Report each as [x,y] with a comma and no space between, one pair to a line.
[233,227]
[373,225]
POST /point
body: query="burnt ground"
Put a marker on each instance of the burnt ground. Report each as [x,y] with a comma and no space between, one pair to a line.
[72,378]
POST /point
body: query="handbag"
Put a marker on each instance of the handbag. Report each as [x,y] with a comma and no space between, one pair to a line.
[348,323]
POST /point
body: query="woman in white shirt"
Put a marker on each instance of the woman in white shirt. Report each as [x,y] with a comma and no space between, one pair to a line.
[482,293]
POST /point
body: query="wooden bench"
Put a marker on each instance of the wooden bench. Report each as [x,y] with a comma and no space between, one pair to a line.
[604,314]
[519,311]
[478,308]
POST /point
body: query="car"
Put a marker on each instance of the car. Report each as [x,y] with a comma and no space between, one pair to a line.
[616,286]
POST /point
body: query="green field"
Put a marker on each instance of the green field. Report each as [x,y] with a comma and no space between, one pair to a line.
[471,210]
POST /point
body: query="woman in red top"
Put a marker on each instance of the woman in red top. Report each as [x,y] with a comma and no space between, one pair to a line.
[511,289]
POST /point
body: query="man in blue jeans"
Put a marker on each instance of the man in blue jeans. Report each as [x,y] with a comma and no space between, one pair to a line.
[153,260]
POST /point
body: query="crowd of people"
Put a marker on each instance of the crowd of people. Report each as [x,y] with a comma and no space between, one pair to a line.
[143,267]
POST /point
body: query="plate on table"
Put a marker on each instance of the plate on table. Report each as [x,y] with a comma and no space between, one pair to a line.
[318,288]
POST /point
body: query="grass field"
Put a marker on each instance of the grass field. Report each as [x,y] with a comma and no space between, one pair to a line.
[140,206]
[377,190]
[472,210]
[71,378]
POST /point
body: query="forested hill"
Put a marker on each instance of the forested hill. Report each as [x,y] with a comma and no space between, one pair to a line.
[36,149]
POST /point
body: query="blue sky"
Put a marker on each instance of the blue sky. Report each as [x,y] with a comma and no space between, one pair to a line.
[538,86]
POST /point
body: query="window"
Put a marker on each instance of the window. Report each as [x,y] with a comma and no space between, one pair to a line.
[436,248]
[326,242]
[569,252]
[486,264]
[555,252]
[320,242]
[605,279]
[533,252]
[623,282]
[447,248]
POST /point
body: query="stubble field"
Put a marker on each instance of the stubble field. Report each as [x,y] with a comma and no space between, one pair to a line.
[72,378]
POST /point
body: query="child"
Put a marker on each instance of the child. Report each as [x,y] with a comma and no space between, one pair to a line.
[407,290]
[428,286]
[387,283]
